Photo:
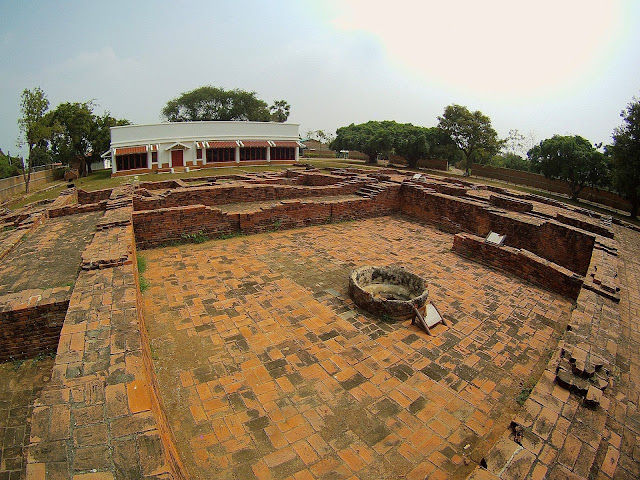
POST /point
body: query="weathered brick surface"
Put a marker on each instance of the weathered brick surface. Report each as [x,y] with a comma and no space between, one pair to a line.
[101,380]
[510,204]
[96,196]
[563,245]
[77,208]
[162,226]
[212,195]
[524,264]
[30,322]
[580,433]
[590,226]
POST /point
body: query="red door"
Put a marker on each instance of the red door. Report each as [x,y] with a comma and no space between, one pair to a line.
[177,158]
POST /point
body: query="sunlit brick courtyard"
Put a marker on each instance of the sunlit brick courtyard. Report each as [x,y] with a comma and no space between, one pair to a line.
[268,370]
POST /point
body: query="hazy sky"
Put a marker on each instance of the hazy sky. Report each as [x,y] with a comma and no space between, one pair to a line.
[542,67]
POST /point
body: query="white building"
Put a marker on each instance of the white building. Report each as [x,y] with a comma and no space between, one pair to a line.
[162,146]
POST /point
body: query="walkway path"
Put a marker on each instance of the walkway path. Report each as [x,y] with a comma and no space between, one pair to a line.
[50,256]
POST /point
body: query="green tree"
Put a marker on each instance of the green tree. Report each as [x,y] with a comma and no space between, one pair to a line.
[625,155]
[212,103]
[510,160]
[572,159]
[372,138]
[471,132]
[280,111]
[9,166]
[35,130]
[72,144]
[413,143]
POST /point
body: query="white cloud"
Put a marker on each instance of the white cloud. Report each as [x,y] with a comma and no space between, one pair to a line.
[494,48]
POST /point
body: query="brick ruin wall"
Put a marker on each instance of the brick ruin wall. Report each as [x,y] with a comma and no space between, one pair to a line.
[223,194]
[96,196]
[30,322]
[166,225]
[133,395]
[77,208]
[521,263]
[100,415]
[566,246]
[557,186]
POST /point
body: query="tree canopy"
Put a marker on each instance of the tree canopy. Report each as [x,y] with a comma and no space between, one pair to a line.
[470,132]
[625,154]
[372,138]
[279,111]
[35,130]
[376,138]
[81,136]
[9,165]
[572,159]
[213,103]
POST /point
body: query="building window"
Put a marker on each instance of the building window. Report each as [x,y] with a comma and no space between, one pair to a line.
[221,155]
[199,154]
[154,157]
[283,153]
[131,161]
[253,153]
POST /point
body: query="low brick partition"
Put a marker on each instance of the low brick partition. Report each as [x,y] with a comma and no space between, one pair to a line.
[535,180]
[561,244]
[212,195]
[30,322]
[510,204]
[166,225]
[585,225]
[576,422]
[9,239]
[96,196]
[77,208]
[521,263]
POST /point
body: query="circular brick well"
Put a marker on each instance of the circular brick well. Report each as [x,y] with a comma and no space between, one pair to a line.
[387,291]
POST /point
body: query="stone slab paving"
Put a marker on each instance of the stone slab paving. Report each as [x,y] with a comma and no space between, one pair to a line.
[49,256]
[268,370]
[20,383]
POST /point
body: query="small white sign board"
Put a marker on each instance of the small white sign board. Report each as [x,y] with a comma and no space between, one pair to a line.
[495,239]
[417,176]
[431,316]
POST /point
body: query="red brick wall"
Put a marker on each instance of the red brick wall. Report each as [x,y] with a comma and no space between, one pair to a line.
[31,321]
[164,225]
[510,204]
[535,180]
[561,244]
[157,227]
[80,208]
[85,197]
[212,195]
[588,226]
[520,263]
[430,163]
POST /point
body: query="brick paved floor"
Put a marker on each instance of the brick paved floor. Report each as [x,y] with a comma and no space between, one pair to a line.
[268,370]
[20,384]
[50,256]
